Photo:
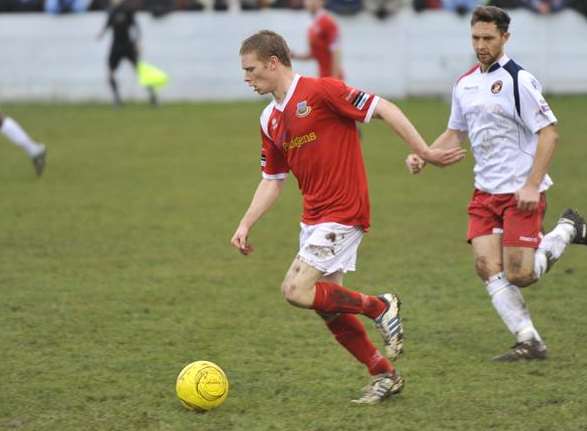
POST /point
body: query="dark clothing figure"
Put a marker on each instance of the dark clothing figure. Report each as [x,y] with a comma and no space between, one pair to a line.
[125,37]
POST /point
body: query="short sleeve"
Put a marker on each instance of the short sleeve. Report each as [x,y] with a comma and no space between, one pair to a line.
[456,120]
[347,101]
[273,163]
[534,110]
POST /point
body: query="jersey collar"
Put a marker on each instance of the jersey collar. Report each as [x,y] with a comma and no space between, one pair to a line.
[290,91]
[499,63]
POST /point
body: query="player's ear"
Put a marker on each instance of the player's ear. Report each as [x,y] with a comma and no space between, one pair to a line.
[506,36]
[273,62]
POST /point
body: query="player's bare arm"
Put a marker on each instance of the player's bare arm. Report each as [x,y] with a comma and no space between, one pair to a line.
[337,63]
[529,195]
[265,196]
[450,138]
[395,118]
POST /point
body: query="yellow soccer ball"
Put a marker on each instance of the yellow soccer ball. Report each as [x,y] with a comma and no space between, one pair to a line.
[202,386]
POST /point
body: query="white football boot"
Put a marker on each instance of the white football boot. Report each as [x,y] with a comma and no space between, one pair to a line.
[382,386]
[390,327]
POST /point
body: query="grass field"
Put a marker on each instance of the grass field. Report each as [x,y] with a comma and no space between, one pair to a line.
[116,271]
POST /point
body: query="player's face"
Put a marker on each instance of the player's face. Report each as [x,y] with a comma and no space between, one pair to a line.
[488,42]
[259,75]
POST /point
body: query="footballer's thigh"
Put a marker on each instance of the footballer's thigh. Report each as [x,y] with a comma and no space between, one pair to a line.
[487,251]
[522,233]
[519,265]
[298,285]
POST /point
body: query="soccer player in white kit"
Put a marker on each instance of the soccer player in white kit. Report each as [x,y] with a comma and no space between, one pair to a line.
[513,135]
[16,134]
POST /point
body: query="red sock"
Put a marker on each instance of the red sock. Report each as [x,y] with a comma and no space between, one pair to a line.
[331,298]
[350,333]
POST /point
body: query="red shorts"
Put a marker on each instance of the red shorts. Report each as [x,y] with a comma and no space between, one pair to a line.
[498,214]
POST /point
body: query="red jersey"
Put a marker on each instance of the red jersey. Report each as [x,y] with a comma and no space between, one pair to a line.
[323,37]
[312,132]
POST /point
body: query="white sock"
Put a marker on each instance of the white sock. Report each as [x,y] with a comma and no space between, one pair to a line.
[511,307]
[552,247]
[12,130]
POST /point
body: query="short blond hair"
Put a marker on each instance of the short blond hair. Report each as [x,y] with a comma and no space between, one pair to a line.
[266,44]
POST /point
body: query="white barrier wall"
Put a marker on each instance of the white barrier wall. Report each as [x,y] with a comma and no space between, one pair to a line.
[58,57]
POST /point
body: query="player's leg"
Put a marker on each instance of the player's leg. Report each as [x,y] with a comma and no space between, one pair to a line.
[328,248]
[521,236]
[569,229]
[485,232]
[113,62]
[507,300]
[17,135]
[302,287]
[350,333]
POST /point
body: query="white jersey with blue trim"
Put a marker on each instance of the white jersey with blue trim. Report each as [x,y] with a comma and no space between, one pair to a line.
[502,110]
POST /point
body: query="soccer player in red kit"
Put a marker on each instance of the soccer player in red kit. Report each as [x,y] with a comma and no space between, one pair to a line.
[323,41]
[309,129]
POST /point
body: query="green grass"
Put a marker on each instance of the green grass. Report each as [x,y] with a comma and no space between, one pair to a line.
[116,271]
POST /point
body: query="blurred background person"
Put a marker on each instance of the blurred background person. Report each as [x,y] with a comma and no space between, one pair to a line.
[421,5]
[66,6]
[384,8]
[545,7]
[323,41]
[461,7]
[126,35]
[15,133]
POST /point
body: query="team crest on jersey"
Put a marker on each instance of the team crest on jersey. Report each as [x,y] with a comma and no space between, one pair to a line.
[496,87]
[544,106]
[303,109]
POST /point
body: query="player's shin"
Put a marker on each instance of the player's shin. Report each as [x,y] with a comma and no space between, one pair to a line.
[16,134]
[511,307]
[350,333]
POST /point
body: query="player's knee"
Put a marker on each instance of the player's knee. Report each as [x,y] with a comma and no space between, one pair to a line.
[519,274]
[520,278]
[486,268]
[297,293]
[290,292]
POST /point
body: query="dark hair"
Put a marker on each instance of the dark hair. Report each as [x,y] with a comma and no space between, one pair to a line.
[491,14]
[266,44]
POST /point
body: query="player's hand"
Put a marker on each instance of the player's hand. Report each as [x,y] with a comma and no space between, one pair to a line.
[528,198]
[239,241]
[444,157]
[415,163]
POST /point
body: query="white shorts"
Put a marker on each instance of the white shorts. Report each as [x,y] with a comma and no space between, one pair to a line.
[330,247]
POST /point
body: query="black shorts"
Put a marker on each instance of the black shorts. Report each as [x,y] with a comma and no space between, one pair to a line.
[118,52]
